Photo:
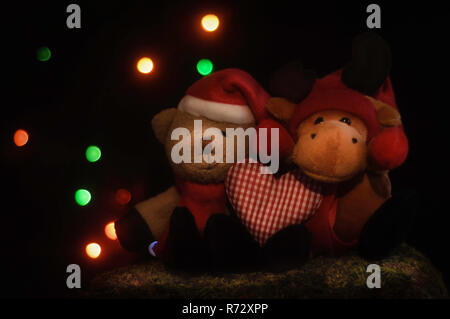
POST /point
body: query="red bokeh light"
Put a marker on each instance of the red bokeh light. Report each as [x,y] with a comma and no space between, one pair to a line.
[122,196]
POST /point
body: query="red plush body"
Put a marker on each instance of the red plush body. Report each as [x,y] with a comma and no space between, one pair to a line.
[321,225]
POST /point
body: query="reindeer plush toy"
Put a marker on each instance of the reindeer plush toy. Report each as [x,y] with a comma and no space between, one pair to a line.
[346,135]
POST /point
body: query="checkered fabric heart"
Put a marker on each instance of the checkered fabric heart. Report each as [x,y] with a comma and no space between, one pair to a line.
[267,204]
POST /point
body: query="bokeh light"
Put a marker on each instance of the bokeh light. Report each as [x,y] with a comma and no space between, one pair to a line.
[93,250]
[145,65]
[204,67]
[93,153]
[122,196]
[110,231]
[210,22]
[20,137]
[151,248]
[43,54]
[82,197]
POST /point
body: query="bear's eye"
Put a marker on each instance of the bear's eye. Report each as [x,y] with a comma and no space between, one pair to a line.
[318,120]
[224,134]
[346,120]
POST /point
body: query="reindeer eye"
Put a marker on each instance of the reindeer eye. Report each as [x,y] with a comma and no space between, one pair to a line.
[346,120]
[318,120]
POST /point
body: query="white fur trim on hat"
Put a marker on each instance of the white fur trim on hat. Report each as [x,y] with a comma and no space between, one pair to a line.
[216,111]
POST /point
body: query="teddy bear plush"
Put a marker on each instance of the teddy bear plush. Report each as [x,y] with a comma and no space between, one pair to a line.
[346,134]
[188,223]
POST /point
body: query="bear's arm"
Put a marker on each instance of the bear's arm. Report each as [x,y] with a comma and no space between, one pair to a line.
[156,211]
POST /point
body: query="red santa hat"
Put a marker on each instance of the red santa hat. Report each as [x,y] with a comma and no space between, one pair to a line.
[330,93]
[389,146]
[230,95]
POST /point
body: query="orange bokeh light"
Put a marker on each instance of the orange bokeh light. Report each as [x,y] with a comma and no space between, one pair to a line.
[210,22]
[20,137]
[145,65]
[93,250]
[110,231]
[122,196]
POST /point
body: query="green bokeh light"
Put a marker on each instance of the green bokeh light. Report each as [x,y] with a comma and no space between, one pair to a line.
[43,54]
[82,197]
[204,66]
[93,153]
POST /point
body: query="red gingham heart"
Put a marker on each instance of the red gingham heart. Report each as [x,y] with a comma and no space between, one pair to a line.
[266,204]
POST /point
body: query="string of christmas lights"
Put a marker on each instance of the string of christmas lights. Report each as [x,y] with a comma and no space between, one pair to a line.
[83,196]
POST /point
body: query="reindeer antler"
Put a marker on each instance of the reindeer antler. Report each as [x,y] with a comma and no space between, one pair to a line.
[370,65]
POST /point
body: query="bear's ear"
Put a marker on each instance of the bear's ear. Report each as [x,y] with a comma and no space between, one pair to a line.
[292,82]
[370,65]
[387,115]
[161,123]
[280,108]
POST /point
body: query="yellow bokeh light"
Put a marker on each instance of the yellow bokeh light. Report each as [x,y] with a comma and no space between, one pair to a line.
[210,22]
[93,250]
[145,65]
[110,231]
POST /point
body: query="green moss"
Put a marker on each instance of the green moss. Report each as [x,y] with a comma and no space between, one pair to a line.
[406,274]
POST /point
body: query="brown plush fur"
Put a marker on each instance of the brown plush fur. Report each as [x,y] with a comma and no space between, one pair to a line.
[282,113]
[161,123]
[326,151]
[331,156]
[357,205]
[387,116]
[156,211]
[203,173]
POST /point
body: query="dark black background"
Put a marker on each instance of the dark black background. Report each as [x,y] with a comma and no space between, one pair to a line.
[89,92]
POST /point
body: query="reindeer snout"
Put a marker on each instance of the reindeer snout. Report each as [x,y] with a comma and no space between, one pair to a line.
[338,132]
[331,149]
